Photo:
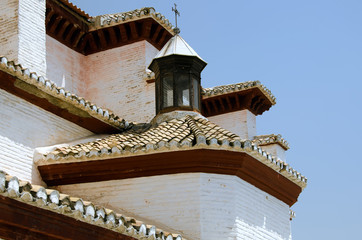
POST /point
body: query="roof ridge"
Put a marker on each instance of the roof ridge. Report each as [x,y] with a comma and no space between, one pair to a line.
[49,87]
[199,135]
[53,200]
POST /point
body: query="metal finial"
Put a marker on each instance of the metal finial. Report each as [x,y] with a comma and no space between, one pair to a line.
[176,30]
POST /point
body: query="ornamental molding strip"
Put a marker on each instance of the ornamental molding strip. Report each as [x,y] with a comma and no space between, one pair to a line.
[263,140]
[45,86]
[52,200]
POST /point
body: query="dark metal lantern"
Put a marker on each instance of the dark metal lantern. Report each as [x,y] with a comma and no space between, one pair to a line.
[177,78]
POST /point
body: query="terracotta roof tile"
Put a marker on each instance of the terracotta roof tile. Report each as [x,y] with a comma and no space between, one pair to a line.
[108,20]
[225,89]
[188,129]
[189,132]
[263,140]
[79,209]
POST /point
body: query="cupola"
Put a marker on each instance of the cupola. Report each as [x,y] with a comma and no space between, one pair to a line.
[177,69]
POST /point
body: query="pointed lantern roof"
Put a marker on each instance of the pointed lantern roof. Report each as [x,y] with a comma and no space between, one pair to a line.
[177,46]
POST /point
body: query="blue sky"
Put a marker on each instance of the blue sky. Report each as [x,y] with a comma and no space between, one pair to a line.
[309,54]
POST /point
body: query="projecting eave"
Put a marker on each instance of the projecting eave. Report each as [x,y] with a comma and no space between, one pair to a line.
[86,35]
[251,95]
[264,140]
[193,143]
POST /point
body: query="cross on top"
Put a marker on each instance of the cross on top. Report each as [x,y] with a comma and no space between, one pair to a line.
[177,13]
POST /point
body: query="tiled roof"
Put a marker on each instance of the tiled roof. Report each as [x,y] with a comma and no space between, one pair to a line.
[107,20]
[88,35]
[52,89]
[187,133]
[263,140]
[225,89]
[74,8]
[52,200]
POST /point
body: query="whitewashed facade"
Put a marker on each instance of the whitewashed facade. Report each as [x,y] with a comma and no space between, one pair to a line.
[200,206]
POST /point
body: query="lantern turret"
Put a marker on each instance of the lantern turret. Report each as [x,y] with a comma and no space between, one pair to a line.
[177,68]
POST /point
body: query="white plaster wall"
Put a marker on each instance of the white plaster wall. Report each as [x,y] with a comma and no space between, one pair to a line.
[32,32]
[168,202]
[9,28]
[197,205]
[116,80]
[16,158]
[234,208]
[66,67]
[22,28]
[24,127]
[242,123]
[113,79]
[275,150]
[151,52]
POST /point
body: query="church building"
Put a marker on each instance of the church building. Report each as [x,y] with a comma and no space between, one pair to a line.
[107,133]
